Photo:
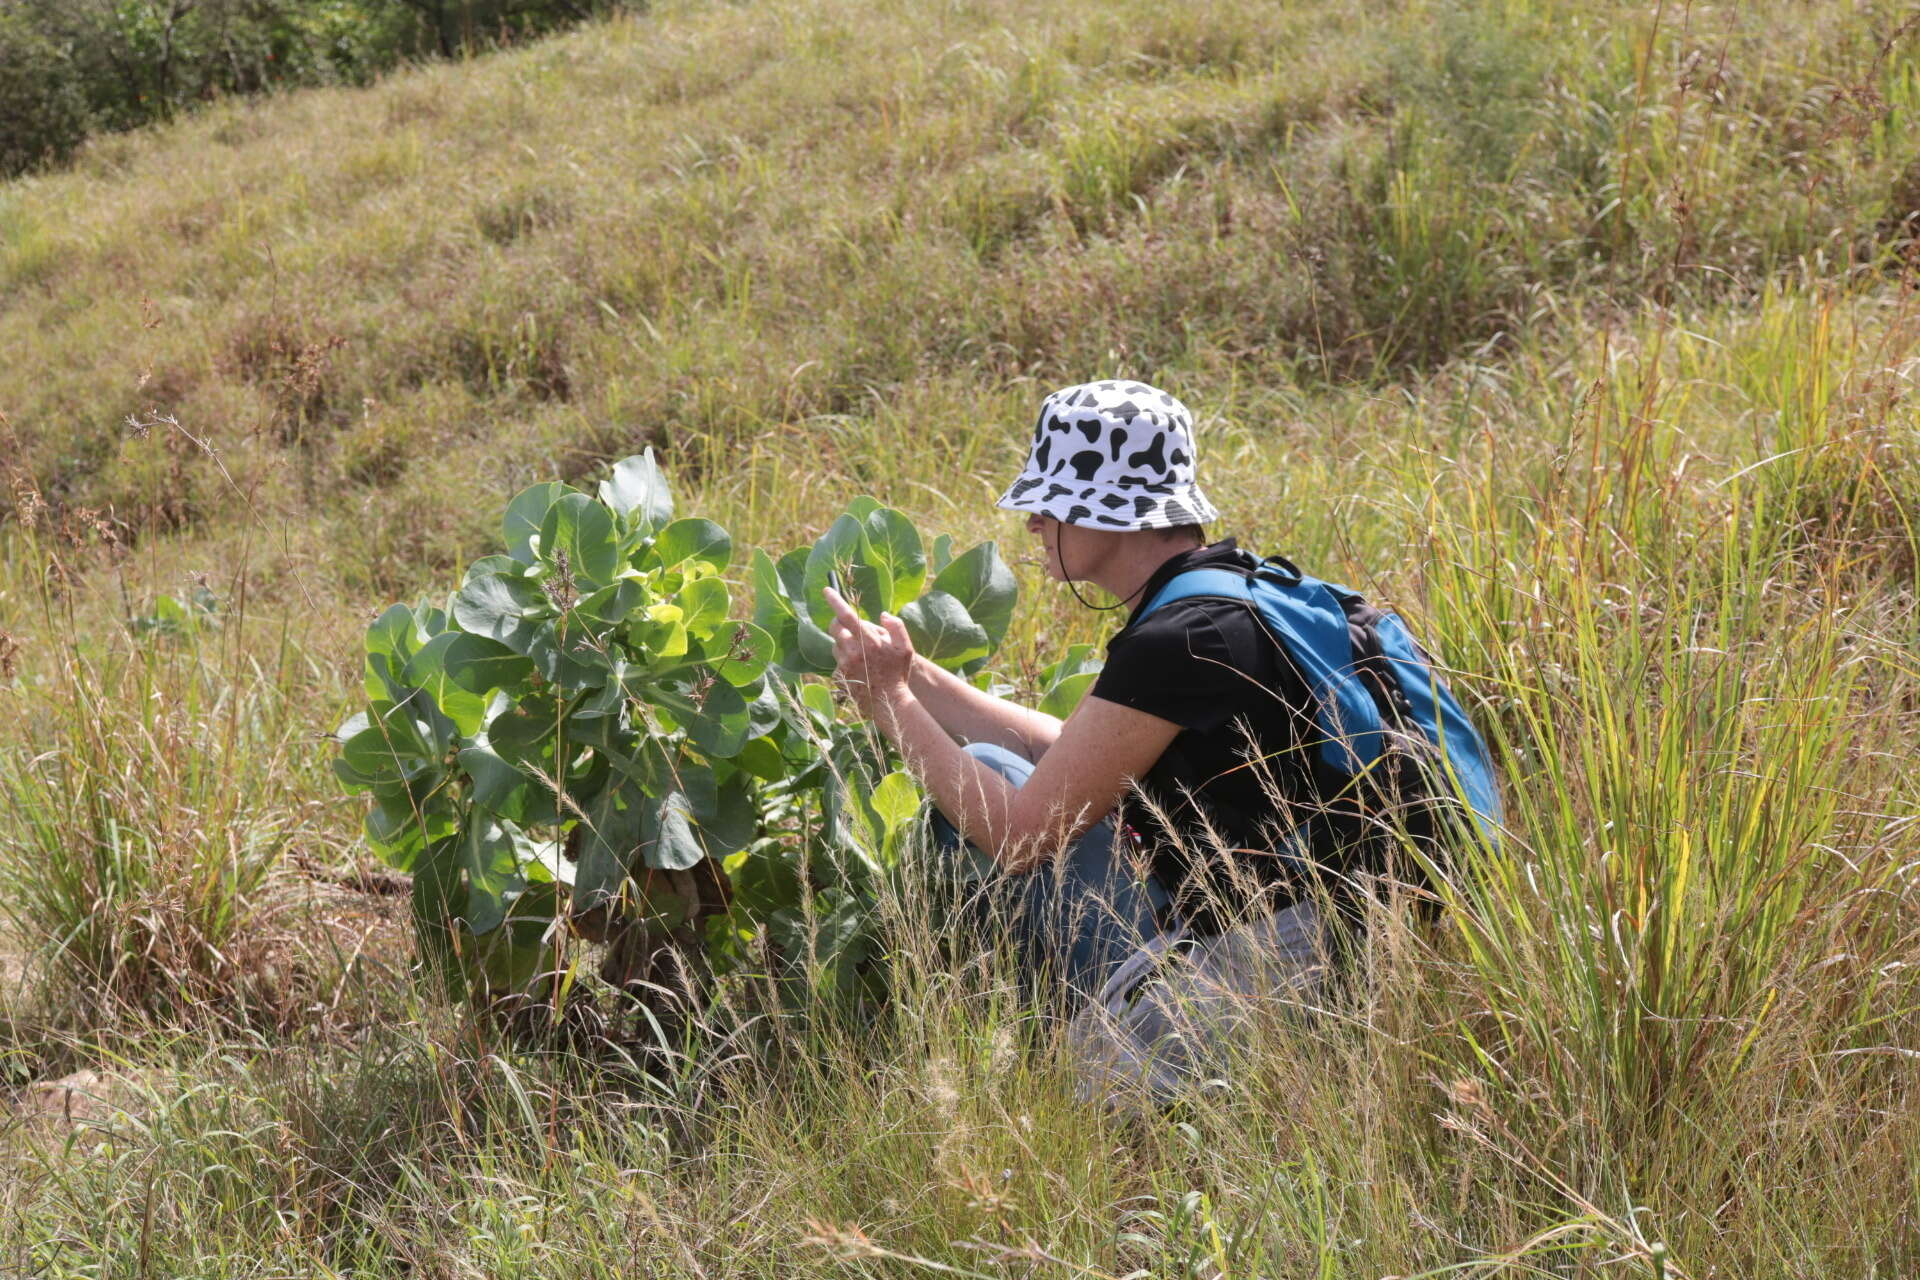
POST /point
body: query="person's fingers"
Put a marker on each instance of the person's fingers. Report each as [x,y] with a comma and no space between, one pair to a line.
[842,610]
[860,637]
[897,631]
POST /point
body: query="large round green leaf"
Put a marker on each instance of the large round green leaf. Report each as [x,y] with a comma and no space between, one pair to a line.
[896,800]
[703,605]
[841,551]
[984,586]
[943,632]
[611,605]
[792,569]
[639,491]
[480,665]
[390,745]
[713,712]
[490,852]
[668,841]
[691,539]
[607,702]
[764,712]
[492,564]
[816,650]
[524,733]
[427,671]
[569,657]
[581,531]
[391,640]
[498,786]
[898,558]
[735,819]
[775,610]
[657,635]
[609,834]
[762,758]
[507,609]
[1066,681]
[1067,694]
[400,832]
[740,653]
[521,524]
[660,764]
[722,724]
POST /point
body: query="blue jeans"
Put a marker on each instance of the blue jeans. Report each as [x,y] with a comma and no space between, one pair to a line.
[1074,919]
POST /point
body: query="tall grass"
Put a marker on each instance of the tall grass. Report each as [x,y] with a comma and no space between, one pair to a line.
[1668,1028]
[155,787]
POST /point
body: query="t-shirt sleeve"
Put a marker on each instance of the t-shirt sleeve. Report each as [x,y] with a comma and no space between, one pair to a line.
[1177,665]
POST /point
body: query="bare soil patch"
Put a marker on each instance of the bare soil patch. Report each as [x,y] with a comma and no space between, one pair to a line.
[87,1099]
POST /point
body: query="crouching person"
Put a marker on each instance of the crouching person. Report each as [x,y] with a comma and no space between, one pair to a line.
[1257,746]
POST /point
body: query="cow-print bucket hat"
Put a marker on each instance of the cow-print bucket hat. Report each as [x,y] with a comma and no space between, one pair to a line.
[1112,455]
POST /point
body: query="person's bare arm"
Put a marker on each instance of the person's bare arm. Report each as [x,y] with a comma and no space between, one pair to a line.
[1098,753]
[974,715]
[1102,748]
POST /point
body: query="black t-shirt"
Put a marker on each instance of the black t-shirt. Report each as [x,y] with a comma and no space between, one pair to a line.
[1236,781]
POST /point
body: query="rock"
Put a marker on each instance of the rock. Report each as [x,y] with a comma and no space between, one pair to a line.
[82,1098]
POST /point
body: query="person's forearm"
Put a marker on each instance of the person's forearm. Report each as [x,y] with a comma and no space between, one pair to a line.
[976,799]
[968,714]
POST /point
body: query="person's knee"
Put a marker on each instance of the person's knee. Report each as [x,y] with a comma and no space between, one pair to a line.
[1012,766]
[1009,764]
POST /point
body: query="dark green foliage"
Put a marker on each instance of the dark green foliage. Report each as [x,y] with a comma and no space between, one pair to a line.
[583,736]
[70,67]
[43,110]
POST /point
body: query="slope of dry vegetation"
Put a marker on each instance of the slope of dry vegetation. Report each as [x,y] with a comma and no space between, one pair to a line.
[703,227]
[1585,331]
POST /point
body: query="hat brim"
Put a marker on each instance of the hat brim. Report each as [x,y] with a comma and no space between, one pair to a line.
[1103,506]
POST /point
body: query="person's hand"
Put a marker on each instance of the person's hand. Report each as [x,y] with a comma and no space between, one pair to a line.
[872,660]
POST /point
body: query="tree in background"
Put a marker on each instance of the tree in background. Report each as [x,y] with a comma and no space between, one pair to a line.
[458,25]
[71,67]
[43,109]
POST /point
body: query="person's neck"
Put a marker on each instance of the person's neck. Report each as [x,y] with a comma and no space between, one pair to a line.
[1126,574]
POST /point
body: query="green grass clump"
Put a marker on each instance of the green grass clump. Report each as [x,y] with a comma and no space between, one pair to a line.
[155,793]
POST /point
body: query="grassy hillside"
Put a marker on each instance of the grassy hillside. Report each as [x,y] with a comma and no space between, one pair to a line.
[716,227]
[1585,332]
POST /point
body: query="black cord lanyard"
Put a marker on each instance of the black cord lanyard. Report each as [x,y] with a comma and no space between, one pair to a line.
[1060,554]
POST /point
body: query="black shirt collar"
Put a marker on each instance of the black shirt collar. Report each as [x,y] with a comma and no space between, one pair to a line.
[1224,554]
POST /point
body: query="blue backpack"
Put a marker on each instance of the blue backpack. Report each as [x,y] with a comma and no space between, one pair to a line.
[1383,713]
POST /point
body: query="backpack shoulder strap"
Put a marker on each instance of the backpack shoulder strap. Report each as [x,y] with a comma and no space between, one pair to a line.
[1219,583]
[1305,617]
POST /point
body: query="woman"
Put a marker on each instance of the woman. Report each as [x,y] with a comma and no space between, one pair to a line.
[1173,803]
